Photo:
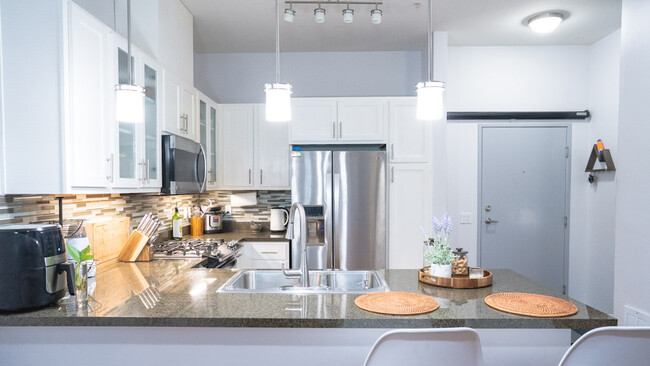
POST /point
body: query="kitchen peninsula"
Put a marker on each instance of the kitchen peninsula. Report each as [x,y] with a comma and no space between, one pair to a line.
[169,303]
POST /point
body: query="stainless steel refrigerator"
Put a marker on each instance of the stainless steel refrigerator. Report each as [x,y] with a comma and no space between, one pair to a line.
[343,190]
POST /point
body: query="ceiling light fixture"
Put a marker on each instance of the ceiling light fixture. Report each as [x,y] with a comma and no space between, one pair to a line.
[430,102]
[129,98]
[319,14]
[289,14]
[348,14]
[278,96]
[375,15]
[545,22]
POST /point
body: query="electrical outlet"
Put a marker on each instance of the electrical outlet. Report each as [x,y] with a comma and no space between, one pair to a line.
[465,217]
[186,212]
[229,209]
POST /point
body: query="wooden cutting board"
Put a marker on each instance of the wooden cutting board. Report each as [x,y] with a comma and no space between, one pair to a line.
[108,237]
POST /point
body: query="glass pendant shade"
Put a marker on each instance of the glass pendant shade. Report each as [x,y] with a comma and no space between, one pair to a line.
[348,15]
[430,102]
[319,15]
[278,102]
[289,14]
[129,103]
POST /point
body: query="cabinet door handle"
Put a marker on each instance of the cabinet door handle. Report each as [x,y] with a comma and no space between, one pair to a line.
[392,174]
[269,252]
[392,151]
[261,176]
[148,175]
[334,129]
[250,171]
[340,130]
[109,164]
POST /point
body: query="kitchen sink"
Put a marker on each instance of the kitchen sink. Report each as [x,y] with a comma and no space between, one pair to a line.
[321,281]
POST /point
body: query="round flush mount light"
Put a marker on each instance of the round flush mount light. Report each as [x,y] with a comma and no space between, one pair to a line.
[545,22]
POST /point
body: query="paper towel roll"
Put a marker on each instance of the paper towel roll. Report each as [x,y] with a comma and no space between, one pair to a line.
[243,199]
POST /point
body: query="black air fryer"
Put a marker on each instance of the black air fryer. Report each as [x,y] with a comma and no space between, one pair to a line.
[34,270]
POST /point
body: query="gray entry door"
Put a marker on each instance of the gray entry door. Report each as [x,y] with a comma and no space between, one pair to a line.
[523,199]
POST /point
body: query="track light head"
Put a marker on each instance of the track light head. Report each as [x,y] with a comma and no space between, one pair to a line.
[348,15]
[319,15]
[375,16]
[289,14]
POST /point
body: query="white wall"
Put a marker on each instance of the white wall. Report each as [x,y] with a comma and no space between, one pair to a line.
[591,273]
[502,79]
[633,171]
[240,77]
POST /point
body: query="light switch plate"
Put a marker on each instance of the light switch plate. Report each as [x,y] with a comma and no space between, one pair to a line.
[465,217]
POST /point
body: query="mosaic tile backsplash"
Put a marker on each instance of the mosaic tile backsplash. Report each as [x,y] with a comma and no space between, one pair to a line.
[29,209]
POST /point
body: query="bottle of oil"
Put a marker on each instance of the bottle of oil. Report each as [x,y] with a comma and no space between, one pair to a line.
[177,228]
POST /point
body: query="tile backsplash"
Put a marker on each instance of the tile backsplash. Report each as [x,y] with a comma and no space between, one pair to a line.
[25,209]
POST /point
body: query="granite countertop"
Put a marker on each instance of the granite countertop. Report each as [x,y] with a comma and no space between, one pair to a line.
[172,293]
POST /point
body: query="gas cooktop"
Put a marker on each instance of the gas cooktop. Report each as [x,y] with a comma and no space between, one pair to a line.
[214,249]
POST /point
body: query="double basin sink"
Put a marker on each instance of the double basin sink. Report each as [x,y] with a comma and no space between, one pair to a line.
[321,282]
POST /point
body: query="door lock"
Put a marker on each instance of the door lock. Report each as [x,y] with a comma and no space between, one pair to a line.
[488,208]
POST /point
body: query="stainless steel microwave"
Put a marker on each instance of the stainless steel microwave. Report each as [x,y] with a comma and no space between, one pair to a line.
[184,166]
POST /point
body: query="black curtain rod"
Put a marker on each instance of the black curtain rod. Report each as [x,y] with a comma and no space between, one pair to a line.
[456,116]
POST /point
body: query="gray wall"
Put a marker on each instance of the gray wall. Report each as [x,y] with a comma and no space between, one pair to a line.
[240,77]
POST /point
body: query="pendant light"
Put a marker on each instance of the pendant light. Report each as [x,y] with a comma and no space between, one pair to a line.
[129,98]
[278,96]
[430,102]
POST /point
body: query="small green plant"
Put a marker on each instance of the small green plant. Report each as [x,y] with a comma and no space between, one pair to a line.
[437,250]
[79,256]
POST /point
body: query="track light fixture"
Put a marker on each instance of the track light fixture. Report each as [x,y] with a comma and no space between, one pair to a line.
[348,13]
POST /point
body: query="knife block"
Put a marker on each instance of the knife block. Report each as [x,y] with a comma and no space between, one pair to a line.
[133,246]
[146,255]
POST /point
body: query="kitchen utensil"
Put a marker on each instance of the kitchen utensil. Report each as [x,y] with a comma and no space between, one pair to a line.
[34,271]
[139,238]
[107,237]
[256,226]
[279,218]
[213,220]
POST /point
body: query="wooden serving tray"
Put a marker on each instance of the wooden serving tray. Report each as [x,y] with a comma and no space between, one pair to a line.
[455,282]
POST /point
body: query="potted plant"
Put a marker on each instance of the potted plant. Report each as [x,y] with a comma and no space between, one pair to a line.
[437,251]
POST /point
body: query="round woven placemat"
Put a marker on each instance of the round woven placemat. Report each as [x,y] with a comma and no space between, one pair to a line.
[531,304]
[396,303]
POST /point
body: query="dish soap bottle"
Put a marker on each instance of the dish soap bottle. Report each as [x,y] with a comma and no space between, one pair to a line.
[177,229]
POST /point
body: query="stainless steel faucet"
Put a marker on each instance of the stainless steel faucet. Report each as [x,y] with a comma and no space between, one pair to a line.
[302,272]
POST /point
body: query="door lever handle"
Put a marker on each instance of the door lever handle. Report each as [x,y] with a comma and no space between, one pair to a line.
[490,221]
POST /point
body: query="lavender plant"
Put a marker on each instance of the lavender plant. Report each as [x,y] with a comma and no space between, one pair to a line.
[437,249]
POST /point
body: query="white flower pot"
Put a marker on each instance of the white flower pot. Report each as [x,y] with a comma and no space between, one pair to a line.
[441,270]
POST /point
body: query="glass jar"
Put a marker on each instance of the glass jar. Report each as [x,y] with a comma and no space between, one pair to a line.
[460,266]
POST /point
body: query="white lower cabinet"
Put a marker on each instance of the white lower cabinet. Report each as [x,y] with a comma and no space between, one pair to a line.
[264,255]
[410,207]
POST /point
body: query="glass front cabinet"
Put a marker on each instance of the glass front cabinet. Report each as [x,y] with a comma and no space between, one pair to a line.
[208,114]
[137,150]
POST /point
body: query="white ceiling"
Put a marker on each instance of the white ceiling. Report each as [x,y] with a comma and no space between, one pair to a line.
[236,26]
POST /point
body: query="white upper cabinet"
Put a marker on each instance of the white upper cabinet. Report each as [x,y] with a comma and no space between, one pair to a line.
[179,99]
[410,138]
[254,152]
[236,137]
[338,120]
[361,119]
[313,120]
[89,159]
[272,155]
